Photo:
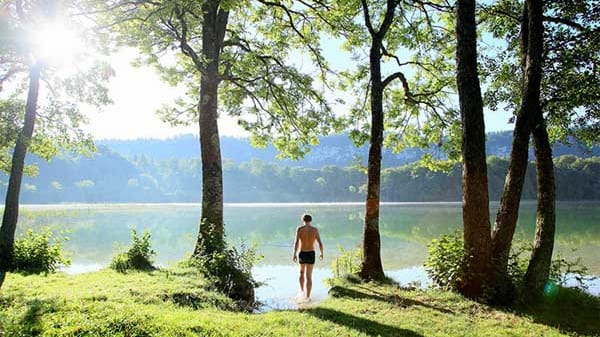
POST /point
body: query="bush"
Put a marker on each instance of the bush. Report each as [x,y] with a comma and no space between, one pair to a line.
[229,270]
[347,263]
[563,272]
[137,257]
[36,253]
[445,258]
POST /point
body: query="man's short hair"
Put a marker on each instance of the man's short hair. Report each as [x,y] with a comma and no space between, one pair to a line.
[306,218]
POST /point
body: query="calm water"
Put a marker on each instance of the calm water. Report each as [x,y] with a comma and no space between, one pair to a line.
[97,231]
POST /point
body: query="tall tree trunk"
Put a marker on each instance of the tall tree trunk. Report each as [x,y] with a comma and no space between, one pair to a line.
[538,270]
[371,267]
[210,236]
[506,218]
[476,216]
[11,206]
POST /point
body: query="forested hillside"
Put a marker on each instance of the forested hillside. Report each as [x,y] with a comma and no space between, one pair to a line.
[109,177]
[335,150]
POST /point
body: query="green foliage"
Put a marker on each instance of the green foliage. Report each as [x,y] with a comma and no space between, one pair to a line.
[571,45]
[228,268]
[274,99]
[417,67]
[59,123]
[137,257]
[563,271]
[347,263]
[445,261]
[36,253]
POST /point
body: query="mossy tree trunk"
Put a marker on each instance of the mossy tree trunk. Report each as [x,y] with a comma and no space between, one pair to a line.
[210,236]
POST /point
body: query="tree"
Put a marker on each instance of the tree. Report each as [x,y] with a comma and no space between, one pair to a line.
[371,267]
[11,206]
[397,103]
[21,51]
[506,219]
[234,54]
[476,223]
[538,269]
[572,109]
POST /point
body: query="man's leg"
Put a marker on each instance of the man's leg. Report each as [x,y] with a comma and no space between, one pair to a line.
[309,270]
[301,279]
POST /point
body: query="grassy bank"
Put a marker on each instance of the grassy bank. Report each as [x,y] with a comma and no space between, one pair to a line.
[180,303]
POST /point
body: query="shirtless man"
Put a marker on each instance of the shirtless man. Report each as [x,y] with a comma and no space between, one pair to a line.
[306,235]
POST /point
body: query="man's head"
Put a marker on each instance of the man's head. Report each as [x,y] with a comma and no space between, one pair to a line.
[306,218]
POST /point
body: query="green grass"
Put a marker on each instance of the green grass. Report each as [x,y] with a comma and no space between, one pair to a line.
[179,303]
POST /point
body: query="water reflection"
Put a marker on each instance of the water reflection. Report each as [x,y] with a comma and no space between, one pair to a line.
[96,231]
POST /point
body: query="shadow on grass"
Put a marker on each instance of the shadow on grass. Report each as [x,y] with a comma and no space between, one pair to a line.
[369,327]
[571,310]
[30,323]
[371,294]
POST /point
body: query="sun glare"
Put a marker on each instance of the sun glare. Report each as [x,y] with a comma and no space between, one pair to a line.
[54,43]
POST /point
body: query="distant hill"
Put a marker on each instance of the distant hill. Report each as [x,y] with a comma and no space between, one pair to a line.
[335,150]
[150,170]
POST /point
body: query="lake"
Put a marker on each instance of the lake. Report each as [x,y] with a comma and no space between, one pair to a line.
[97,231]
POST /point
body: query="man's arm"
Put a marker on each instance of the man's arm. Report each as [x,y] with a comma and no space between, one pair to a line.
[296,243]
[320,245]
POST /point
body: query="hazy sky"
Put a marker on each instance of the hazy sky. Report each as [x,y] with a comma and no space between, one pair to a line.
[138,92]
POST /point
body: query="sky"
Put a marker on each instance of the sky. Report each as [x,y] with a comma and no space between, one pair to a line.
[138,92]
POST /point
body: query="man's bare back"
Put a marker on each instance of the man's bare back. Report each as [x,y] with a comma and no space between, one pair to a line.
[307,234]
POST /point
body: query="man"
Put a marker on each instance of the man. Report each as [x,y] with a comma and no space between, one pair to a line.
[306,235]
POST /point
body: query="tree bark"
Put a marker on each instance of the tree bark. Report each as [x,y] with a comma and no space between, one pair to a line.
[210,236]
[11,206]
[475,213]
[371,268]
[506,218]
[538,270]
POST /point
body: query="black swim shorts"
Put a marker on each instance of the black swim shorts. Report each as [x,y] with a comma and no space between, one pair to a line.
[307,257]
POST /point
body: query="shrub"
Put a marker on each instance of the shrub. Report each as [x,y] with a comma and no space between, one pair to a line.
[347,263]
[229,270]
[563,272]
[36,253]
[444,263]
[137,257]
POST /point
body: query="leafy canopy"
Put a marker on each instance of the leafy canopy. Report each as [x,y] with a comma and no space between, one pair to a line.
[64,88]
[264,81]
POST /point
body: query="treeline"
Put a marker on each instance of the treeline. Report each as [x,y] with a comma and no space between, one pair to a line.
[108,177]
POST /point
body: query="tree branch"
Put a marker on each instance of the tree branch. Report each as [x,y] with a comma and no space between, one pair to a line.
[186,49]
[565,21]
[367,16]
[389,17]
[398,75]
